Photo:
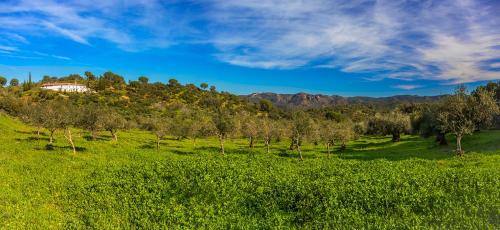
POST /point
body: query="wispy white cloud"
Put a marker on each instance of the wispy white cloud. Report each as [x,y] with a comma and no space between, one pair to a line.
[407,40]
[8,48]
[407,87]
[446,40]
[51,56]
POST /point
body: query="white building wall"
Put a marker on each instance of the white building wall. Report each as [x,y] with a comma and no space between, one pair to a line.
[67,88]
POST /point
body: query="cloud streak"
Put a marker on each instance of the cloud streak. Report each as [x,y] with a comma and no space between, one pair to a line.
[455,41]
[407,87]
[437,40]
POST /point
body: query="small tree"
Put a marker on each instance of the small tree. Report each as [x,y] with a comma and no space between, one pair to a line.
[143,80]
[461,113]
[69,120]
[300,129]
[33,114]
[113,122]
[224,125]
[50,117]
[3,81]
[204,86]
[394,124]
[14,82]
[159,125]
[327,134]
[60,114]
[91,119]
[342,133]
[249,128]
[201,126]
[268,129]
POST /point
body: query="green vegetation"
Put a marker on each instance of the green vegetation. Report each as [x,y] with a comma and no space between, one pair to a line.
[128,184]
[154,155]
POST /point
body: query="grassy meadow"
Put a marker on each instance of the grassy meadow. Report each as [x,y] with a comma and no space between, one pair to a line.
[374,183]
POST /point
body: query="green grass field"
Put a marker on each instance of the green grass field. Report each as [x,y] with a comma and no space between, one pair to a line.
[373,184]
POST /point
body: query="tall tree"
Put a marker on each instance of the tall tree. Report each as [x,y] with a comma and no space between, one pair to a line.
[461,113]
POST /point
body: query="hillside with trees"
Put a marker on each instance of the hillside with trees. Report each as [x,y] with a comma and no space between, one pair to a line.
[141,154]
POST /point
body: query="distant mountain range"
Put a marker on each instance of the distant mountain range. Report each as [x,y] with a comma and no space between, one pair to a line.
[319,100]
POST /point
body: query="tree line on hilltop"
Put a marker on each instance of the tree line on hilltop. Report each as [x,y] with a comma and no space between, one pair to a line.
[194,112]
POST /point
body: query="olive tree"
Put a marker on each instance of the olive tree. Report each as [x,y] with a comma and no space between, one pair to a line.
[461,113]
[160,126]
[343,132]
[91,119]
[249,128]
[224,125]
[113,122]
[33,115]
[268,129]
[50,116]
[301,128]
[327,134]
[3,81]
[394,123]
[201,126]
[60,115]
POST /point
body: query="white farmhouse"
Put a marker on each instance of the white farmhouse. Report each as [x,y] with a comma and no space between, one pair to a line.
[66,87]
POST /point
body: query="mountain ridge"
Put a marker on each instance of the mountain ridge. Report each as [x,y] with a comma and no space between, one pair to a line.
[320,100]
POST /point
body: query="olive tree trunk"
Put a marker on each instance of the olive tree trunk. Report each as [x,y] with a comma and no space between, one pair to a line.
[459,150]
[251,142]
[157,143]
[114,135]
[221,141]
[297,145]
[51,136]
[69,137]
[267,143]
[396,137]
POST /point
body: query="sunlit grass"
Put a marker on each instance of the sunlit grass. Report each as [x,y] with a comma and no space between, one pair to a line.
[129,184]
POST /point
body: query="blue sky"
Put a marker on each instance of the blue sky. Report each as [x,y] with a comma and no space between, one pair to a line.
[344,47]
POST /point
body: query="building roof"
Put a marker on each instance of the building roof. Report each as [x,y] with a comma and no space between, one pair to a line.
[61,84]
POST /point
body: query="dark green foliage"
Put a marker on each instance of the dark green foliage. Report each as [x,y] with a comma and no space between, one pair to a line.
[204,86]
[394,123]
[265,105]
[3,81]
[14,82]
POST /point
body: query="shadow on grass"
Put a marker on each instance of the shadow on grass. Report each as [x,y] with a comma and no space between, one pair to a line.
[31,139]
[31,132]
[51,147]
[409,147]
[207,149]
[98,138]
[179,152]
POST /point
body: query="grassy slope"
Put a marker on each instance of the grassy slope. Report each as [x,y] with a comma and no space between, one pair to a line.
[374,183]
